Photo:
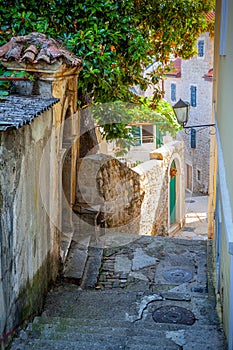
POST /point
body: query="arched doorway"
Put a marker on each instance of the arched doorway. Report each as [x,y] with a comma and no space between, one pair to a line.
[172,193]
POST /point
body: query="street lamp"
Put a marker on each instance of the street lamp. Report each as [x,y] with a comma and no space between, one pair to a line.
[182,110]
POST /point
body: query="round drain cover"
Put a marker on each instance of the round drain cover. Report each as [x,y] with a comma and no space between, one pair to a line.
[173,314]
[177,275]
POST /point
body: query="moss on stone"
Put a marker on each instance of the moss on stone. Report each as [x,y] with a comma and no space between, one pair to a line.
[32,295]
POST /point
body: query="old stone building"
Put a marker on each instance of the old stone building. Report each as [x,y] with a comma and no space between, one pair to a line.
[191,80]
[36,150]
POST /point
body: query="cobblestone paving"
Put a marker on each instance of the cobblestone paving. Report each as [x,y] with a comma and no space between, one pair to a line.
[149,263]
[151,294]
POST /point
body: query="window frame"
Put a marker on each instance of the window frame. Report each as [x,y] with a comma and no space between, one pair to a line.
[201,51]
[173,92]
[193,101]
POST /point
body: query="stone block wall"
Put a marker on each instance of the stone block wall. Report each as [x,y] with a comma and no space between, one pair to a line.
[107,185]
[192,73]
[29,240]
[132,200]
[154,180]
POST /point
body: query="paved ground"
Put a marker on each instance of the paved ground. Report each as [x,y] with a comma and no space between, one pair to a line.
[138,293]
[150,293]
[196,223]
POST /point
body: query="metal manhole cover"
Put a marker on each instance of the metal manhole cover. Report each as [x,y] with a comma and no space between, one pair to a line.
[177,275]
[173,314]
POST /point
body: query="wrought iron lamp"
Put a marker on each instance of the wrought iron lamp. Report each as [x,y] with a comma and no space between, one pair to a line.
[182,110]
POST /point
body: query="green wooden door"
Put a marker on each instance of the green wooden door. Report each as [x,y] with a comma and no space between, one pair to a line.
[173,197]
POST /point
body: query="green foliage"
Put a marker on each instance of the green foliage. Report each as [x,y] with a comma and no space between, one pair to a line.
[115,117]
[161,115]
[115,38]
[5,84]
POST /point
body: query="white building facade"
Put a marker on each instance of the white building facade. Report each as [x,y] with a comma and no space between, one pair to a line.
[191,80]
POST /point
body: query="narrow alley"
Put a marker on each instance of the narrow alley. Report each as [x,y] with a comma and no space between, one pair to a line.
[135,293]
[196,218]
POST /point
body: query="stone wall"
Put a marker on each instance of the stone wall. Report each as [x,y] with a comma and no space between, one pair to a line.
[29,240]
[154,180]
[192,73]
[36,161]
[108,186]
[132,200]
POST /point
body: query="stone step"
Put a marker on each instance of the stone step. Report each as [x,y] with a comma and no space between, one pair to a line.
[84,317]
[212,346]
[101,323]
[97,324]
[76,260]
[91,273]
[82,345]
[137,335]
[169,340]
[113,337]
[83,262]
[122,305]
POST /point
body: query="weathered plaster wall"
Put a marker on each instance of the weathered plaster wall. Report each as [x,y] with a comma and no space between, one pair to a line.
[60,81]
[29,240]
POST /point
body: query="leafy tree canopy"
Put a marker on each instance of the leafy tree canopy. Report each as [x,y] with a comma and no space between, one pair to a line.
[115,38]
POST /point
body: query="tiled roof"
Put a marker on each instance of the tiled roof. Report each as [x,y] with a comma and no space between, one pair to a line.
[210,16]
[34,48]
[209,75]
[175,69]
[16,111]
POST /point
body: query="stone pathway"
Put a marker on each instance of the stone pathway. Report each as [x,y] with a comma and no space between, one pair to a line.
[150,293]
[155,263]
[196,218]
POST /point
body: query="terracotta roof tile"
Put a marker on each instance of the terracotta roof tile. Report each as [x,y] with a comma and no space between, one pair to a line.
[210,16]
[14,52]
[37,47]
[209,75]
[175,68]
[5,48]
[43,56]
[32,48]
[30,54]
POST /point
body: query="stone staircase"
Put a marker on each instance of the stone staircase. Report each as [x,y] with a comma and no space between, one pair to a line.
[150,293]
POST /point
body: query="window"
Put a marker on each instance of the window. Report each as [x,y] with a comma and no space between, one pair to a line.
[198,175]
[193,96]
[147,133]
[173,92]
[159,137]
[200,48]
[136,132]
[143,134]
